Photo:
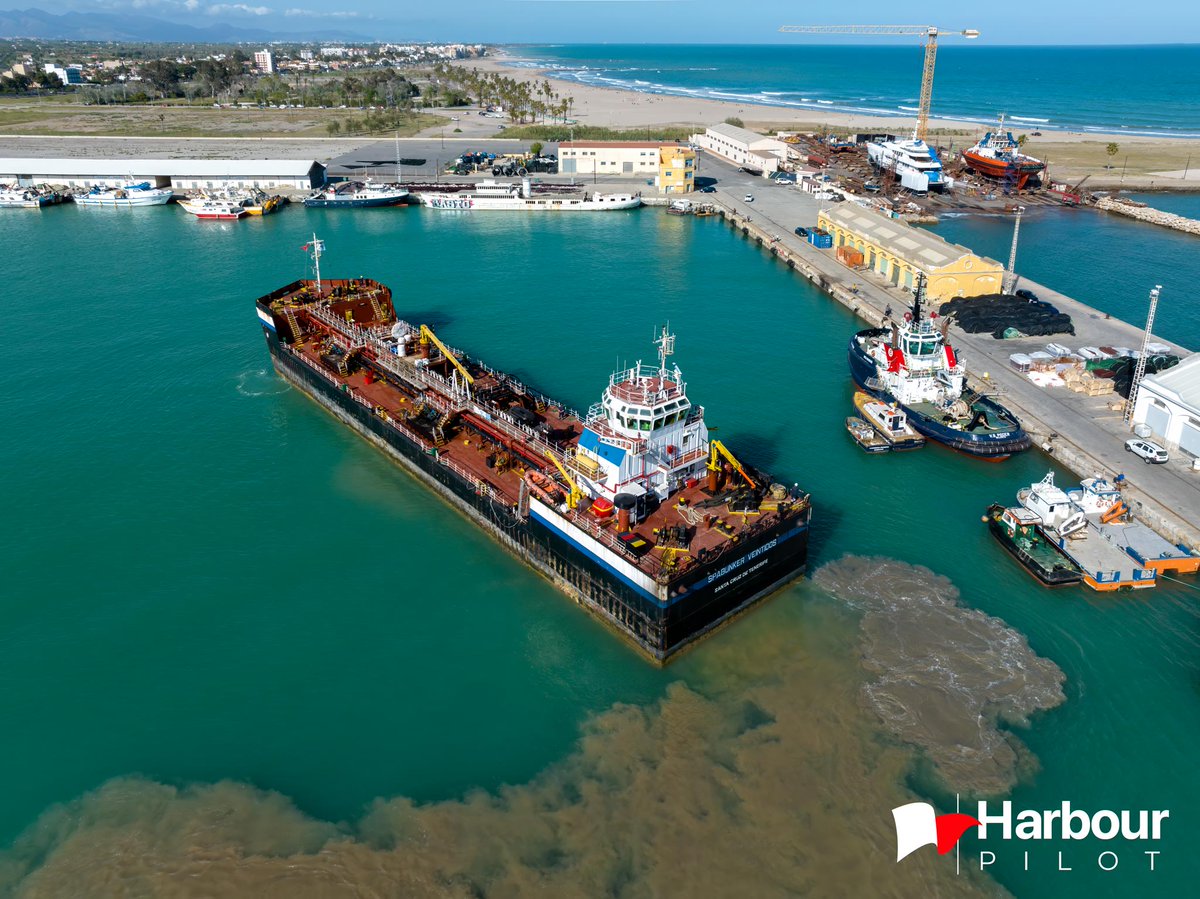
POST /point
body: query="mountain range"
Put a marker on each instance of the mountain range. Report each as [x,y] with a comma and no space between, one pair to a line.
[98,26]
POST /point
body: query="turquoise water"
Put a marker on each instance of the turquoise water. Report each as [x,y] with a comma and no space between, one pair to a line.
[1078,88]
[209,578]
[1108,261]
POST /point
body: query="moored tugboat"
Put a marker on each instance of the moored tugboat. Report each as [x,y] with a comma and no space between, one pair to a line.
[916,367]
[632,509]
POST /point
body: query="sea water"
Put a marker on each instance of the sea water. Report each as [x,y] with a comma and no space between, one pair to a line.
[1109,88]
[212,583]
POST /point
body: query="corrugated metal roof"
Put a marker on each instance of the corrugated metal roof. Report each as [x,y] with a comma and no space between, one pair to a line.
[743,135]
[1183,380]
[912,244]
[618,144]
[180,168]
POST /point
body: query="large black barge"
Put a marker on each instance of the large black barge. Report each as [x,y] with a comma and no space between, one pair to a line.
[631,510]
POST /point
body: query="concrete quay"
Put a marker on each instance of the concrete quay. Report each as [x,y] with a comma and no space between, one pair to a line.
[1085,434]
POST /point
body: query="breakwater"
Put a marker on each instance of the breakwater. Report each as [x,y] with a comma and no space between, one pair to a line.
[1149,214]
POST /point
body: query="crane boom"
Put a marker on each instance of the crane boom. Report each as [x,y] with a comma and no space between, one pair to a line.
[576,494]
[930,31]
[428,336]
[716,446]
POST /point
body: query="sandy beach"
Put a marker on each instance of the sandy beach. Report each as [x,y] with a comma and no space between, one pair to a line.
[1140,163]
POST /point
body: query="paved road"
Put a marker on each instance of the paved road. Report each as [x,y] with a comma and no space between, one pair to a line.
[1083,431]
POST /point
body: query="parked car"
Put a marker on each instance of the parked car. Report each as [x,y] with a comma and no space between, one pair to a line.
[802,232]
[1147,449]
[708,190]
[1026,295]
[749,198]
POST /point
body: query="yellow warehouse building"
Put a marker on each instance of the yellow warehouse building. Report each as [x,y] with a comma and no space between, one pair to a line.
[897,251]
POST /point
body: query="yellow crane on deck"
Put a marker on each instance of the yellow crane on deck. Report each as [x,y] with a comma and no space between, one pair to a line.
[714,464]
[576,494]
[931,33]
[428,337]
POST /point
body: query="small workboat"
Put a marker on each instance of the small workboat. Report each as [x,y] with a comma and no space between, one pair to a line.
[211,208]
[1017,530]
[867,438]
[889,420]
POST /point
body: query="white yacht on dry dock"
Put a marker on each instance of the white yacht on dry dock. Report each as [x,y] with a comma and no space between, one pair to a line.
[501,195]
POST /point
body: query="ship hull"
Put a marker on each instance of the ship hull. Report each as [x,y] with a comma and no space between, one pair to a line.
[993,447]
[124,202]
[998,168]
[1062,573]
[517,204]
[356,203]
[660,622]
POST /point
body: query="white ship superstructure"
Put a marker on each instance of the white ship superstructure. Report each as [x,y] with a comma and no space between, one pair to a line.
[915,163]
[501,195]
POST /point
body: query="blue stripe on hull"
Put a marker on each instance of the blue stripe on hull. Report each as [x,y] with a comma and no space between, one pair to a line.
[593,556]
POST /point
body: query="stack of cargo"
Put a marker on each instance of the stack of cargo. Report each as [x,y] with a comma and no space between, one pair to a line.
[849,256]
[1086,383]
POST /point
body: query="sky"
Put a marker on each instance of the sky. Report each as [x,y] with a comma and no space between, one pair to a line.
[669,21]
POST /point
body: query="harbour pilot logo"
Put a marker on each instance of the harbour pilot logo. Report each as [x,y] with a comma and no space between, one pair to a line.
[918,825]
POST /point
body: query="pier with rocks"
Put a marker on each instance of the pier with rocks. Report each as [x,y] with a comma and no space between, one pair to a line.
[1144,213]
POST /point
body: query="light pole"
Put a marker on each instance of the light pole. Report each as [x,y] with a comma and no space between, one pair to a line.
[1011,277]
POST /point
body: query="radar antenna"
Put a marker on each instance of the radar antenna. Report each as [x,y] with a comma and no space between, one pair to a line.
[666,347]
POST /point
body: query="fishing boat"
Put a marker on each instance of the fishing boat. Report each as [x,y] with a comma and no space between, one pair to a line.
[1018,530]
[259,203]
[1105,567]
[998,155]
[868,439]
[212,208]
[889,421]
[506,196]
[128,196]
[32,197]
[914,366]
[356,195]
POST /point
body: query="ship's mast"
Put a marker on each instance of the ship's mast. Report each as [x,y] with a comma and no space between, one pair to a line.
[316,247]
[918,298]
[666,347]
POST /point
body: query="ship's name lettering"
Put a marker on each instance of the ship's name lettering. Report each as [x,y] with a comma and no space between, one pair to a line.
[753,554]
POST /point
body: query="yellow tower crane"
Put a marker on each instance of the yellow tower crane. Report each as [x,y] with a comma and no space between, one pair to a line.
[931,33]
[428,337]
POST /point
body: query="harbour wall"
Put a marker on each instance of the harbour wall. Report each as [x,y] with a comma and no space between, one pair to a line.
[1053,433]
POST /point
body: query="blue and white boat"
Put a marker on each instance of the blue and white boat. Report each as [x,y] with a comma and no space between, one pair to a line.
[33,197]
[356,195]
[915,366]
[128,196]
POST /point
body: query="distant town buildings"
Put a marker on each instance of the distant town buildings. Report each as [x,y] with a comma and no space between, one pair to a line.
[264,62]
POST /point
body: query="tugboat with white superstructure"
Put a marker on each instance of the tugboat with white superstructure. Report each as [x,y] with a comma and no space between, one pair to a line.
[915,366]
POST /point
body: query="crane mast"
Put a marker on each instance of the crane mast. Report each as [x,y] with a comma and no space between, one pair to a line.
[931,33]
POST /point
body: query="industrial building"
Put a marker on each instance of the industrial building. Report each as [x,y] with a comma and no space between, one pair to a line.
[672,166]
[898,251]
[1168,403]
[744,147]
[302,174]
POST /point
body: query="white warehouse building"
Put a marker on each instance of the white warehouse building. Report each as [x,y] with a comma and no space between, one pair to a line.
[746,148]
[1168,403]
[303,174]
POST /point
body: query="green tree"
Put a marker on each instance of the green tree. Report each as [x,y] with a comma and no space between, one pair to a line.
[735,121]
[535,148]
[334,128]
[1021,139]
[1112,150]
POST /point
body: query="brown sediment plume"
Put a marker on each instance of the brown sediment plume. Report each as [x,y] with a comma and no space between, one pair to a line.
[761,776]
[945,677]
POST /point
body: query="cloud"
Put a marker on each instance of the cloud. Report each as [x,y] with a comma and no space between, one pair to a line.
[220,8]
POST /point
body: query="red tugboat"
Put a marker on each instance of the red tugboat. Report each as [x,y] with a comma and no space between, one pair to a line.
[632,509]
[999,156]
